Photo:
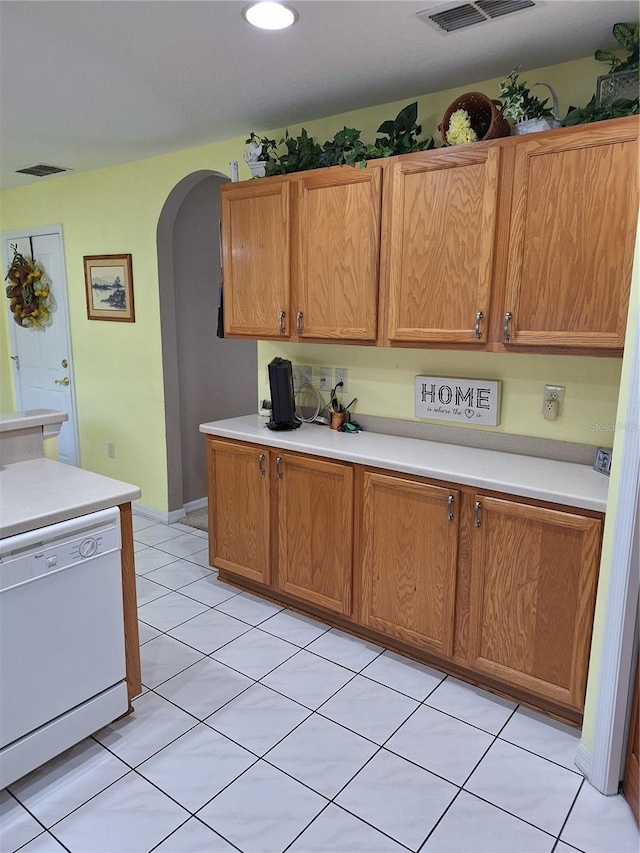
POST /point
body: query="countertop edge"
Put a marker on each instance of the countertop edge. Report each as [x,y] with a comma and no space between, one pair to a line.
[378,453]
[13,421]
[39,492]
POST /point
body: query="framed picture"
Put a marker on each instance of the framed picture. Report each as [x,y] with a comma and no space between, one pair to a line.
[109,284]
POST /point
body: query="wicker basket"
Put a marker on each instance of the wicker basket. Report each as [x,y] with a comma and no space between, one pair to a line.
[485,114]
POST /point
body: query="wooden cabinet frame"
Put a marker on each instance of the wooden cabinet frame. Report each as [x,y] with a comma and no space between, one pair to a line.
[352,265]
[454,648]
[433,266]
[317,243]
[252,537]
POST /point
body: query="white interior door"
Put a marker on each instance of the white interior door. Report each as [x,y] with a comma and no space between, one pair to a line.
[41,358]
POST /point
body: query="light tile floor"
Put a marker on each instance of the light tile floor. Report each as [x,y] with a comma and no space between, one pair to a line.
[261,730]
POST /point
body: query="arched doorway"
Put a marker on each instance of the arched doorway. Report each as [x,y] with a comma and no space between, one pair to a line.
[205,378]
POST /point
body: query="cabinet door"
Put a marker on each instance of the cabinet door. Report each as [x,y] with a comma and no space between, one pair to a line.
[338,246]
[533,583]
[239,514]
[572,235]
[256,262]
[443,217]
[409,554]
[315,530]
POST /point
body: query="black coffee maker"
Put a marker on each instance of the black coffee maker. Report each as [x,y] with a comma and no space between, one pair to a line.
[283,407]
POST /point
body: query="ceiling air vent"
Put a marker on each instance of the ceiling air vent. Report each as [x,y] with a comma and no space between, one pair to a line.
[497,8]
[451,17]
[41,170]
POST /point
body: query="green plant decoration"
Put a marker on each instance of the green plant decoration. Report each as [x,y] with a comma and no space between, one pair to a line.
[627,37]
[346,148]
[401,135]
[302,154]
[608,108]
[518,103]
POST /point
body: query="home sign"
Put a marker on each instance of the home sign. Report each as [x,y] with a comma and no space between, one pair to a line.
[471,401]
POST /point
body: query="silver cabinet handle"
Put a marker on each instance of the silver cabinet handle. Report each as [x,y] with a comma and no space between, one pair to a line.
[299,322]
[506,333]
[261,459]
[476,513]
[450,501]
[279,467]
[281,327]
[477,331]
[64,381]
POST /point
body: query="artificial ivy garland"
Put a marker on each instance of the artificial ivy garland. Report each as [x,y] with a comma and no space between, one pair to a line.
[29,290]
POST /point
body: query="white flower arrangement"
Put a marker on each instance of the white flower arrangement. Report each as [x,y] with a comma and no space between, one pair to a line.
[460,131]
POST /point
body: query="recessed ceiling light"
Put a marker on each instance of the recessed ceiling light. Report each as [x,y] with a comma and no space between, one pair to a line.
[270,16]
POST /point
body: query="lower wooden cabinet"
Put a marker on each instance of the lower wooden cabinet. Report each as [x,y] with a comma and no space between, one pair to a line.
[494,588]
[239,510]
[315,530]
[282,519]
[409,558]
[533,582]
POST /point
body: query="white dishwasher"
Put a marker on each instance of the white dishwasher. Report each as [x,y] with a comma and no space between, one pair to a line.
[62,658]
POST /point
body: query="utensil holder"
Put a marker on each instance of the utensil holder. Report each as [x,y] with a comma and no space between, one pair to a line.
[337,419]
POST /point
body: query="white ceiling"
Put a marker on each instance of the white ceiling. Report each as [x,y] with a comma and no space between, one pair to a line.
[90,83]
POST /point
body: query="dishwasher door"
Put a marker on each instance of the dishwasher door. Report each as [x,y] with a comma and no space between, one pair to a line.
[61,620]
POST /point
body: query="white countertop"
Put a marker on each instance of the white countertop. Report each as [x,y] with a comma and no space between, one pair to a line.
[10,421]
[39,492]
[527,476]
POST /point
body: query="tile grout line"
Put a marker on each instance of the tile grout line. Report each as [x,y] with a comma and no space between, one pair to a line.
[312,712]
[571,807]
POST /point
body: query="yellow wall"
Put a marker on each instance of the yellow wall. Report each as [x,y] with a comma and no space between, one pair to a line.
[118,366]
[383,382]
[617,463]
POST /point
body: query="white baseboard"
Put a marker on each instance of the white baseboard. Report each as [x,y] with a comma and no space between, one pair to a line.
[168,517]
[158,515]
[192,506]
[583,761]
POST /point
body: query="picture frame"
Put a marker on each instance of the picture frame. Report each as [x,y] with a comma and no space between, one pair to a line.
[109,287]
[603,461]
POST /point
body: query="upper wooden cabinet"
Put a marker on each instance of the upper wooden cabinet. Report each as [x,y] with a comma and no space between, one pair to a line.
[523,243]
[255,251]
[300,255]
[337,252]
[442,208]
[571,236]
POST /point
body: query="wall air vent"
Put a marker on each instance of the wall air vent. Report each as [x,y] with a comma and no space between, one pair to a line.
[457,16]
[41,170]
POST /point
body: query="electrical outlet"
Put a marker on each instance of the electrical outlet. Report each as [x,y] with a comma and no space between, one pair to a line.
[265,408]
[302,374]
[324,378]
[553,393]
[342,375]
[111,450]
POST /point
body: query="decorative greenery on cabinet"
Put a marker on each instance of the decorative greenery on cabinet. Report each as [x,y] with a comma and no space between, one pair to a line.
[400,136]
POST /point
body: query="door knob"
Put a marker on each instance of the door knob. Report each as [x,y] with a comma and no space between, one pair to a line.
[64,381]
